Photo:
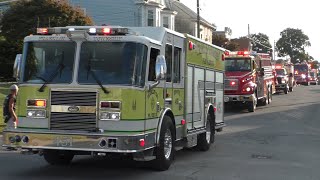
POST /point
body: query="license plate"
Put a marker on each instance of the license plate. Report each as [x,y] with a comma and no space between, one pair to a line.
[62,141]
[226,99]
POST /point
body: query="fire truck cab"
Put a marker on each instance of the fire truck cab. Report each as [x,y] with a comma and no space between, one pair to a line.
[249,79]
[302,73]
[314,77]
[282,79]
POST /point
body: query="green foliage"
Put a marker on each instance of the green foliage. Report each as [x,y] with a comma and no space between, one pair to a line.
[3,93]
[7,55]
[232,46]
[293,43]
[24,16]
[315,65]
[260,43]
[219,40]
[223,42]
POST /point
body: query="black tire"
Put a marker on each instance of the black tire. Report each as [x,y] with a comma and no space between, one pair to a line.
[252,106]
[286,90]
[163,160]
[55,157]
[205,139]
[290,89]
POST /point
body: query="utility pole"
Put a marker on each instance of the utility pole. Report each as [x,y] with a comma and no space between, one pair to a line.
[274,50]
[198,19]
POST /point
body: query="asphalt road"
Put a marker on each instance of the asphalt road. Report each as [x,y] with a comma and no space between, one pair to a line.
[278,141]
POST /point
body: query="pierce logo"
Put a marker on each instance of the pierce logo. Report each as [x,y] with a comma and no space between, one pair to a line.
[73,109]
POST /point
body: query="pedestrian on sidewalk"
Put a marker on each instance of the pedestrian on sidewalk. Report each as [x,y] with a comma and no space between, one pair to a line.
[9,107]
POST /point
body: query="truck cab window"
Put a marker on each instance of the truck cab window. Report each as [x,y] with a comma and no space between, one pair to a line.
[168,56]
[153,58]
[176,65]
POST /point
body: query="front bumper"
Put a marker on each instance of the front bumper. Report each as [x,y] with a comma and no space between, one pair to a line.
[78,142]
[281,86]
[238,98]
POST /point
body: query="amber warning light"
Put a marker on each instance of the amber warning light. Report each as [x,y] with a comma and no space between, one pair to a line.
[37,103]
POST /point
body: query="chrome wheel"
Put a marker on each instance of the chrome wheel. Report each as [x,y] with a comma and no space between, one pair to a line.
[208,132]
[167,144]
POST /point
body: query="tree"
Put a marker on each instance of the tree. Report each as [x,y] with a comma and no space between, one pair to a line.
[232,46]
[293,43]
[223,42]
[219,40]
[24,16]
[261,43]
[314,64]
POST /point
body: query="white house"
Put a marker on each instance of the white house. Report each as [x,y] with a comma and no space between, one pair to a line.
[129,12]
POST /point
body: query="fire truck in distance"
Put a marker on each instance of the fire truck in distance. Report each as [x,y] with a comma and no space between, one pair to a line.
[314,76]
[284,80]
[249,79]
[302,73]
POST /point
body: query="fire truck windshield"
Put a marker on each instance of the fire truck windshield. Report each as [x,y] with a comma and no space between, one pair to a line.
[312,74]
[238,64]
[117,63]
[49,62]
[281,72]
[301,68]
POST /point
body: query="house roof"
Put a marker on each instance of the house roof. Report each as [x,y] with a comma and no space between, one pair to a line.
[183,9]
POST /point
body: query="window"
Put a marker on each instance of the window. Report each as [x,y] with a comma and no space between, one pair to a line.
[169,61]
[150,18]
[121,63]
[49,61]
[153,58]
[176,65]
[166,22]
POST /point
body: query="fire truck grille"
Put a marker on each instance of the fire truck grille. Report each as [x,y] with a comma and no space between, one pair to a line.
[279,80]
[73,120]
[231,84]
[73,98]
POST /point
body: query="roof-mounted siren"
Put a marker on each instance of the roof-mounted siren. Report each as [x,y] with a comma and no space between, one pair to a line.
[108,31]
[243,53]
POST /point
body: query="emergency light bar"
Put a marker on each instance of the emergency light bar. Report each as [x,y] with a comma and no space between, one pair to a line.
[237,53]
[89,30]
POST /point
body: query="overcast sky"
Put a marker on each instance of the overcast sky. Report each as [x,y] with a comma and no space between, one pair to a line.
[269,17]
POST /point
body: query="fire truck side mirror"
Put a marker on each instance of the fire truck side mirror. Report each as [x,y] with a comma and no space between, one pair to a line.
[16,66]
[161,68]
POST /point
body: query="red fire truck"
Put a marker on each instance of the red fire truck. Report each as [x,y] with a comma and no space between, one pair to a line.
[302,73]
[249,79]
[282,79]
[314,76]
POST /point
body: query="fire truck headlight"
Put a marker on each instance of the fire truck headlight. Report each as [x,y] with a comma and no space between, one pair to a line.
[248,89]
[303,76]
[110,116]
[114,116]
[36,113]
[104,116]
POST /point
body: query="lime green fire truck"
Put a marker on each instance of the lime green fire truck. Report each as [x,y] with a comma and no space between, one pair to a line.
[144,92]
